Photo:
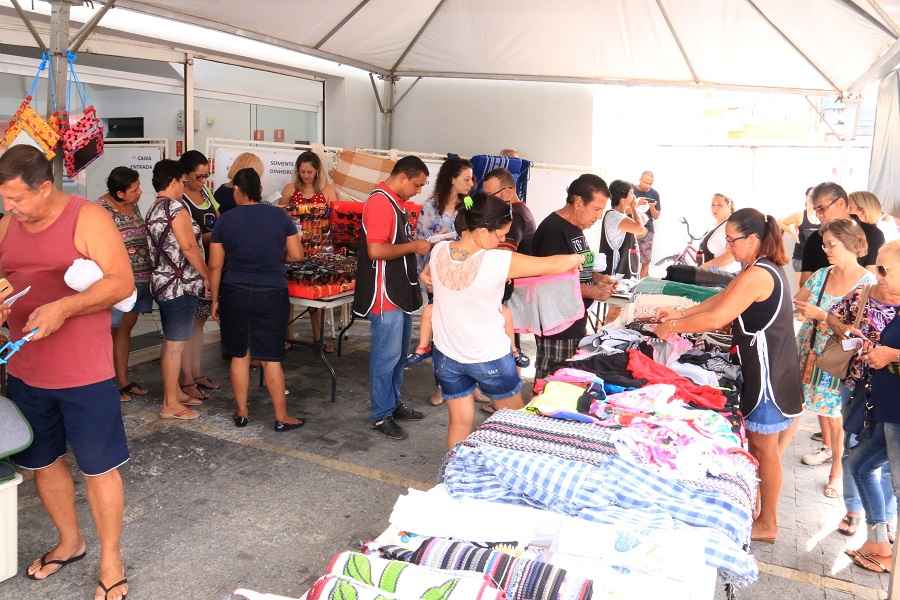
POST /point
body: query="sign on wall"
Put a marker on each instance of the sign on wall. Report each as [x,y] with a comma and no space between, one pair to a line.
[141,158]
[278,165]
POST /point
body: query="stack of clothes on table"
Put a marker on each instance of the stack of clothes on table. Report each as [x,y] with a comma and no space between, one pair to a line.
[636,432]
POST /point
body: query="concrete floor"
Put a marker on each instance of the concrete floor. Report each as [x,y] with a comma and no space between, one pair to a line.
[211,508]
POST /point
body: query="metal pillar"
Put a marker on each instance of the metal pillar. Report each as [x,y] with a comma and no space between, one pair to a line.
[59,44]
[390,84]
[188,102]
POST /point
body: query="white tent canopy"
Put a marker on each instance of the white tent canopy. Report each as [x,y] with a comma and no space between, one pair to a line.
[805,46]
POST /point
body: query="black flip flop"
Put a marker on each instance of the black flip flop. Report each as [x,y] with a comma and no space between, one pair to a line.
[212,386]
[62,564]
[129,389]
[107,590]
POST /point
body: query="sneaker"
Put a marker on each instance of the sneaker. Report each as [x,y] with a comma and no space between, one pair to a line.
[820,457]
[405,413]
[389,427]
[816,437]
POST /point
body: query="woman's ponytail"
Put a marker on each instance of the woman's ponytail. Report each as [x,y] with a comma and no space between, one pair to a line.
[750,221]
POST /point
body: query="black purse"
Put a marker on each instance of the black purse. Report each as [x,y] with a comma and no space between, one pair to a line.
[857,412]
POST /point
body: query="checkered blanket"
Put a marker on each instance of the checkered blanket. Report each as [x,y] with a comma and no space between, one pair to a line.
[617,492]
[356,173]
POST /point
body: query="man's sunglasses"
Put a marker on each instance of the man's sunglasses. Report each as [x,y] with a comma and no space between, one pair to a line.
[882,270]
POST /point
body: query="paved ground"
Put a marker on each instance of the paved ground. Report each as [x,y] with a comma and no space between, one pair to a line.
[211,508]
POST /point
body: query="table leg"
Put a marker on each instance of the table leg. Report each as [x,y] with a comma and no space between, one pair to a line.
[340,338]
[321,347]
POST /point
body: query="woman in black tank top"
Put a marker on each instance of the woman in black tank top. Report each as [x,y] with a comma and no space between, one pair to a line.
[758,306]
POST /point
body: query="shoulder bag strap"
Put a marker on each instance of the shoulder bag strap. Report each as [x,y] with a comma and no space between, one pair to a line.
[863,301]
[812,339]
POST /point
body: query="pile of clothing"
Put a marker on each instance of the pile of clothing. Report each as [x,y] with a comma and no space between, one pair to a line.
[634,430]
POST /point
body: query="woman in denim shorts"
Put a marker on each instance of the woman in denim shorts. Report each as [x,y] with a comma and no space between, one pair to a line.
[468,278]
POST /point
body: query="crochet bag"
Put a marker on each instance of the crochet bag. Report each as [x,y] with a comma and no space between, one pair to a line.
[83,140]
[27,126]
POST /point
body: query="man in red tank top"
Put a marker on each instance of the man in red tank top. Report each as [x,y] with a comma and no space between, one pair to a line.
[63,380]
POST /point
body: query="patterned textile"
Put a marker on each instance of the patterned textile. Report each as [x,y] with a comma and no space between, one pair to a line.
[645,245]
[134,234]
[521,579]
[342,587]
[615,492]
[698,293]
[551,352]
[356,173]
[173,276]
[404,580]
[877,316]
[431,223]
[701,396]
[482,164]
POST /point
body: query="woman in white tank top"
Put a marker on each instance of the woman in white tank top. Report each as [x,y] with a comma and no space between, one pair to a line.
[468,276]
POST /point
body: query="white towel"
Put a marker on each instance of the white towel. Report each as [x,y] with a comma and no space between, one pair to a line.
[83,273]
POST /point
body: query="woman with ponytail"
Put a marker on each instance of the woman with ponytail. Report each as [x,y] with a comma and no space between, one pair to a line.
[757,303]
[468,278]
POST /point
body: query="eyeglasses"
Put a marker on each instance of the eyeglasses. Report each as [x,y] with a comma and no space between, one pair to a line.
[730,241]
[831,246]
[822,208]
[882,270]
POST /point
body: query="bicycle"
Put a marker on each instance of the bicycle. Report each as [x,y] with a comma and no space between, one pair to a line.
[690,255]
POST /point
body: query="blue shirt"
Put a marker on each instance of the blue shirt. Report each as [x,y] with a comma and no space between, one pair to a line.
[254,237]
[886,382]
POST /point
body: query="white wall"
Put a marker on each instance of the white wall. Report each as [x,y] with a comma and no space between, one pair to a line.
[350,112]
[546,122]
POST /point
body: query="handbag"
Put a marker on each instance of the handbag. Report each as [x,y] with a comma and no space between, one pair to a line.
[810,363]
[834,359]
[857,410]
[27,126]
[83,140]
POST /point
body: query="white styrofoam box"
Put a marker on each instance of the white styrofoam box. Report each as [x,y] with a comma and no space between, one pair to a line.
[9,527]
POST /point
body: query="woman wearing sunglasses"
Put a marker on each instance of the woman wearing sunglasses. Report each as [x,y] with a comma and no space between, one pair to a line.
[758,305]
[876,371]
[199,200]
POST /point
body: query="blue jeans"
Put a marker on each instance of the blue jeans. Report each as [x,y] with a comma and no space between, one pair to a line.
[390,340]
[852,500]
[892,441]
[865,461]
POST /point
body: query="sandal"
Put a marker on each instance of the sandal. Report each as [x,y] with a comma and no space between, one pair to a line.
[831,491]
[198,395]
[62,564]
[206,383]
[414,358]
[488,408]
[185,414]
[871,562]
[133,389]
[852,522]
[107,590]
[522,361]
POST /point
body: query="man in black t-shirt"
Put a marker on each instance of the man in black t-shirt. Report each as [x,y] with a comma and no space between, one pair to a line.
[831,203]
[502,184]
[562,232]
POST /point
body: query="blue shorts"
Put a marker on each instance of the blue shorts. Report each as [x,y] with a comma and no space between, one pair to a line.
[177,316]
[142,306]
[497,379]
[88,418]
[767,418]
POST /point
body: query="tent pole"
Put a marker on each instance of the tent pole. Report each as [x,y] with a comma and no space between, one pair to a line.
[340,24]
[888,20]
[90,26]
[389,114]
[787,39]
[403,95]
[188,102]
[885,63]
[418,35]
[889,29]
[665,14]
[59,42]
[822,118]
[30,26]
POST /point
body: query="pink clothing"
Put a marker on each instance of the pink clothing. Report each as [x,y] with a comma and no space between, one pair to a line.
[80,352]
[546,305]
